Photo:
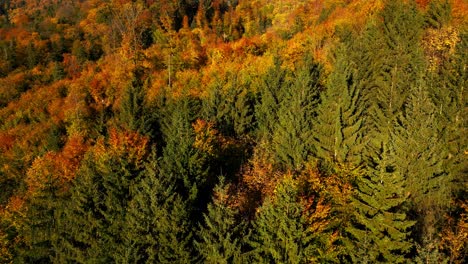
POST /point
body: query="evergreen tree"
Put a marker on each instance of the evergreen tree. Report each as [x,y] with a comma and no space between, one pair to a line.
[187,164]
[292,140]
[39,228]
[242,110]
[90,225]
[157,222]
[394,61]
[80,222]
[270,95]
[230,106]
[337,133]
[379,222]
[134,112]
[32,56]
[447,88]
[438,13]
[419,155]
[220,237]
[213,108]
[58,72]
[280,230]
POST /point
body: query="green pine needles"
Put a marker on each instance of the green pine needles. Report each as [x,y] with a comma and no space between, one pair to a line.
[292,138]
[338,129]
[280,230]
[220,235]
[380,222]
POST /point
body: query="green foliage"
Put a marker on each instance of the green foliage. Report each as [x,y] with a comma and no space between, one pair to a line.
[292,140]
[55,137]
[135,113]
[187,164]
[31,56]
[79,51]
[58,72]
[386,116]
[157,222]
[280,231]
[338,129]
[220,236]
[392,52]
[91,223]
[230,106]
[270,96]
[379,226]
[39,230]
[419,156]
[241,111]
[9,57]
[447,89]
[439,13]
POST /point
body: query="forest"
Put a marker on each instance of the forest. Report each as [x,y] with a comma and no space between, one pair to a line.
[233,131]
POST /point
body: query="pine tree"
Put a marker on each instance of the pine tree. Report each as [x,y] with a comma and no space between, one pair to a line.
[280,230]
[213,108]
[292,140]
[447,88]
[39,228]
[81,223]
[270,95]
[157,223]
[230,106]
[134,112]
[379,222]
[58,72]
[90,224]
[419,155]
[187,164]
[439,13]
[242,109]
[337,133]
[220,237]
[393,60]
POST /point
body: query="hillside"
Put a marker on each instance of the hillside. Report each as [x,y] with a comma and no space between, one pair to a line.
[233,131]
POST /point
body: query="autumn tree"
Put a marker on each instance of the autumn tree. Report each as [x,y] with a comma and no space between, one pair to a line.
[130,23]
[339,125]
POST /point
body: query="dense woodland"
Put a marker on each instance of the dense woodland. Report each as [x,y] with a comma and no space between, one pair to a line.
[233,131]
